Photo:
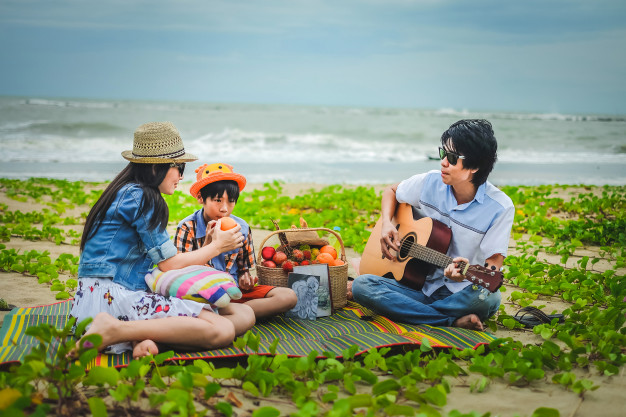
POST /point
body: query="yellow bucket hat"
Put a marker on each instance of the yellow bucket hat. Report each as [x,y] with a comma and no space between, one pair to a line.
[206,174]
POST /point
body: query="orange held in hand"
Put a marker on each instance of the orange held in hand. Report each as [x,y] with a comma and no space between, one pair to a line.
[325,258]
[329,250]
[228,223]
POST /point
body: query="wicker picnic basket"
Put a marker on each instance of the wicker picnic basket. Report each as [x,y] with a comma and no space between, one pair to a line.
[338,275]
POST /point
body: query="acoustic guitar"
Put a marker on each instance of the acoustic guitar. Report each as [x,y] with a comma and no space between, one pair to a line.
[423,246]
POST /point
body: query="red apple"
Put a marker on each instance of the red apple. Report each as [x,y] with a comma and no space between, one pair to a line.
[279,258]
[268,264]
[268,253]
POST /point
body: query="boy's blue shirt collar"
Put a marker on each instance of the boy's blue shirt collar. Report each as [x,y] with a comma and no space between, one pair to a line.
[200,223]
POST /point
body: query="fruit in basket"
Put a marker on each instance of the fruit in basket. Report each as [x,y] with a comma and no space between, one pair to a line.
[307,254]
[324,258]
[298,255]
[288,266]
[314,253]
[228,223]
[305,262]
[268,253]
[337,262]
[279,258]
[329,250]
[268,264]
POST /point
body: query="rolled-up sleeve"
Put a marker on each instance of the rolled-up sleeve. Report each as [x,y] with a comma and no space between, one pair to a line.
[160,253]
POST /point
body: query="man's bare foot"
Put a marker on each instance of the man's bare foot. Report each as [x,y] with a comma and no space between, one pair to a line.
[349,291]
[471,322]
[145,348]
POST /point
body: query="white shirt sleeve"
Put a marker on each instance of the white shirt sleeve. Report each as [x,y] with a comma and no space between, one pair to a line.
[496,239]
[409,190]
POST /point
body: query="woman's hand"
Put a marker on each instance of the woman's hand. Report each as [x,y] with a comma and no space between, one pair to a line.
[389,239]
[453,271]
[225,240]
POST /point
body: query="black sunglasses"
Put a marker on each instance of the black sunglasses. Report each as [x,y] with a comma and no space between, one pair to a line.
[181,167]
[453,158]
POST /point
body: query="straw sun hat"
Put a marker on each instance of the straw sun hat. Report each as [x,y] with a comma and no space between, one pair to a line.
[158,143]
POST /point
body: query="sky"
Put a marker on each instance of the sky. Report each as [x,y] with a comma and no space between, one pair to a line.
[550,56]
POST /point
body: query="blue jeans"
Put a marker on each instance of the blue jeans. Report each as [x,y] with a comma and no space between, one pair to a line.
[400,303]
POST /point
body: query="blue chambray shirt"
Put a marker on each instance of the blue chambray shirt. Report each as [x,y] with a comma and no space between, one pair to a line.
[480,228]
[124,249]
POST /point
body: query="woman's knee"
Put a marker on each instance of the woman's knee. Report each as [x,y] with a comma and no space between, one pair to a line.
[217,331]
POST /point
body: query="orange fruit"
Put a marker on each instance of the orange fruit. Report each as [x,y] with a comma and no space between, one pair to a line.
[228,223]
[336,262]
[329,250]
[324,258]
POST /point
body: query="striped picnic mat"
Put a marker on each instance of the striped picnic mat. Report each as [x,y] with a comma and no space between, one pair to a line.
[352,325]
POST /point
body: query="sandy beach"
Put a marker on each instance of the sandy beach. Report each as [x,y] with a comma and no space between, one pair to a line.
[499,398]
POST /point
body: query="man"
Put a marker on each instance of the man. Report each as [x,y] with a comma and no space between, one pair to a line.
[480,218]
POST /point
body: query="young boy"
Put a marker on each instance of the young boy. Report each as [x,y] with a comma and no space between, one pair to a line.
[217,189]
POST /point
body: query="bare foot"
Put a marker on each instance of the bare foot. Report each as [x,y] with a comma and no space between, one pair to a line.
[349,291]
[145,348]
[471,322]
[105,325]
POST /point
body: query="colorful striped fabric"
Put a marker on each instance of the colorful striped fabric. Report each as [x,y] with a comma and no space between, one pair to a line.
[352,325]
[197,283]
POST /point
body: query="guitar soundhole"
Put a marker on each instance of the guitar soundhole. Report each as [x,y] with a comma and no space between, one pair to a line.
[406,245]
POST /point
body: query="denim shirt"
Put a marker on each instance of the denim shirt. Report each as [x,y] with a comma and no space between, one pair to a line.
[124,249]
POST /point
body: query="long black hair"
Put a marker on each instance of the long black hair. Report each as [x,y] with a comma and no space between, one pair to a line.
[148,177]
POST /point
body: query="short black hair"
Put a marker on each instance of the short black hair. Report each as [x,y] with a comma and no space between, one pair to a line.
[217,188]
[475,140]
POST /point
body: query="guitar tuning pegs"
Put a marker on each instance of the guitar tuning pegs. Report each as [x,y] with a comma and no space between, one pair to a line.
[492,273]
[487,285]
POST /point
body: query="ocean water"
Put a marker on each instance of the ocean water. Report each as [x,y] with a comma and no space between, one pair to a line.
[79,139]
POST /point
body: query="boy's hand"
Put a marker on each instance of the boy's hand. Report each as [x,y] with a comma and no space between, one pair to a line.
[246,282]
[208,235]
[226,240]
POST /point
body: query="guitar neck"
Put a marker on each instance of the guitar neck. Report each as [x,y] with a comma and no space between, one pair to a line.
[431,256]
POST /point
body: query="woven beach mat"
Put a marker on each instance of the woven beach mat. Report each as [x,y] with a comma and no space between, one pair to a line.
[352,325]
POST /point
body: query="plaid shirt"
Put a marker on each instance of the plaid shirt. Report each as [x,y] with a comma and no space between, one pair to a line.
[190,236]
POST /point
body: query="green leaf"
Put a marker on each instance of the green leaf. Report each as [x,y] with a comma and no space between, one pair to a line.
[385,386]
[97,407]
[266,412]
[546,412]
[62,295]
[366,375]
[251,388]
[436,395]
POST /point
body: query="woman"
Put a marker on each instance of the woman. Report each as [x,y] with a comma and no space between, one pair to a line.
[124,236]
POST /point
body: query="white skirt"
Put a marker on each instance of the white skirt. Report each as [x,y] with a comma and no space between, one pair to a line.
[95,295]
